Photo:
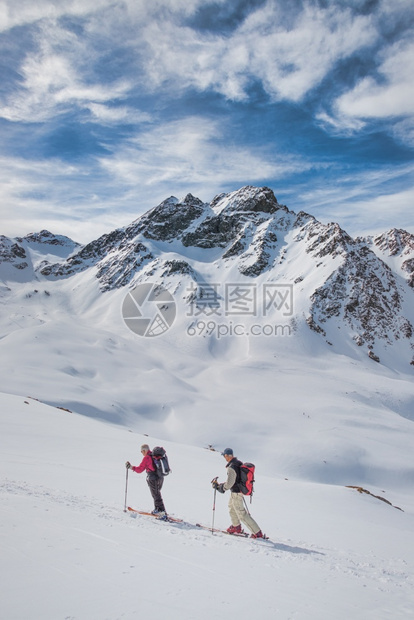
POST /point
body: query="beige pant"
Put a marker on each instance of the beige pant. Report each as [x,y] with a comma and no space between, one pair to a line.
[239,513]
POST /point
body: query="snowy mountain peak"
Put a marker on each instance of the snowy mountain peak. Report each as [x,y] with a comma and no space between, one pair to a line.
[170,219]
[396,248]
[395,242]
[22,256]
[49,239]
[14,260]
[248,199]
[342,285]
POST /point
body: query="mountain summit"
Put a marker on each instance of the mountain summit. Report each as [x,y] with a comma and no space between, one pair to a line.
[353,293]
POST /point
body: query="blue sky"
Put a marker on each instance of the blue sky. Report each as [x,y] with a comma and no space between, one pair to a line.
[107,107]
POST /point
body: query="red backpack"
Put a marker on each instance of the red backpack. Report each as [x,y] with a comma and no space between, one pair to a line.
[247,478]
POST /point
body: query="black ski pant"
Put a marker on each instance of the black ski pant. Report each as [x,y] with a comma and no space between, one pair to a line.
[155,485]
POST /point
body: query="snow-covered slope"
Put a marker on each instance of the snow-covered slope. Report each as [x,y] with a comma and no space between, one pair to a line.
[69,551]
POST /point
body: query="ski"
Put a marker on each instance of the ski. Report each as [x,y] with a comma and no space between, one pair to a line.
[214,529]
[169,519]
[240,535]
[149,514]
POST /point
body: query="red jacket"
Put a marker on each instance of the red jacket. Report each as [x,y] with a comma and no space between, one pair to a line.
[146,464]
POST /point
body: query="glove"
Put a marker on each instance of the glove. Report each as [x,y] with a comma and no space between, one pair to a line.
[127,464]
[218,486]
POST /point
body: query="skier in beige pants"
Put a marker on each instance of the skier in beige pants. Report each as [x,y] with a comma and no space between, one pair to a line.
[237,510]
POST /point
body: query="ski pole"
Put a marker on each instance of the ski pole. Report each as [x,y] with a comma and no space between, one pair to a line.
[214,503]
[126,490]
[246,506]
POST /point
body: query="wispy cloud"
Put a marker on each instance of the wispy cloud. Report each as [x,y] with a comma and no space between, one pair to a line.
[195,153]
[293,61]
[113,115]
[386,96]
[26,12]
[53,79]
[392,94]
[75,200]
[289,59]
[365,201]
[371,215]
[287,62]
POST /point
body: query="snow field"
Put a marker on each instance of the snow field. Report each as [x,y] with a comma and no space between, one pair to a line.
[69,548]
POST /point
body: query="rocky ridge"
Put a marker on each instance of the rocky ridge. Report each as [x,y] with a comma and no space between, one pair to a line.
[396,248]
[362,285]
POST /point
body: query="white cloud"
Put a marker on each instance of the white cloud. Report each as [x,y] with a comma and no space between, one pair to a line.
[288,61]
[292,61]
[193,153]
[108,115]
[387,97]
[391,95]
[24,12]
[403,131]
[53,80]
[338,124]
[288,58]
[288,55]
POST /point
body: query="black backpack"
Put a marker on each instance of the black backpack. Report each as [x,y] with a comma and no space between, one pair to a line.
[247,478]
[160,460]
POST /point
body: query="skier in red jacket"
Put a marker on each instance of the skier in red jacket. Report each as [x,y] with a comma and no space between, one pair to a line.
[153,480]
